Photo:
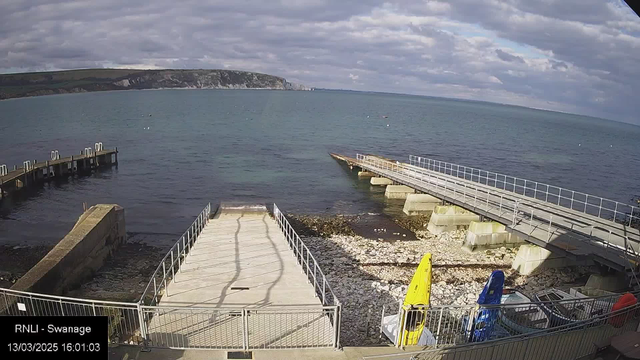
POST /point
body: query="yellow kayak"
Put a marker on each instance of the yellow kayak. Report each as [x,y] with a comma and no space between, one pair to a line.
[417,297]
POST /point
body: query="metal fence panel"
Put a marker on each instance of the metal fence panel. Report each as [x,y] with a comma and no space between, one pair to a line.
[124,322]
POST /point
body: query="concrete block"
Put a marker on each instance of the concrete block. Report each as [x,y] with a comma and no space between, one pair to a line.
[420,204]
[489,234]
[613,283]
[398,191]
[381,181]
[452,215]
[531,258]
[366,174]
[439,229]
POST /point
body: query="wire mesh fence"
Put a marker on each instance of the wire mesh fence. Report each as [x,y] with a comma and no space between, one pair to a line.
[571,341]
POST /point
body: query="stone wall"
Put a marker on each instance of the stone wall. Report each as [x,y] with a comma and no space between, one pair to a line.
[98,232]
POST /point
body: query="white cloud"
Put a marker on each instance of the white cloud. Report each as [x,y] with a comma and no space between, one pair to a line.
[571,55]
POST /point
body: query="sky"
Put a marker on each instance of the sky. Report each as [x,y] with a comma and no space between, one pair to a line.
[577,56]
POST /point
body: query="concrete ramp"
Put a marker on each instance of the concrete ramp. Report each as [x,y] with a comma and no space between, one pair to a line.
[242,259]
[241,286]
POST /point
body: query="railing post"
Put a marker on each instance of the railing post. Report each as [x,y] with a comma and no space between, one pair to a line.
[164,278]
[61,307]
[245,330]
[336,326]
[189,244]
[401,329]
[546,197]
[530,222]
[549,229]
[586,202]
[600,208]
[437,334]
[173,272]
[143,325]
[324,287]
[615,212]
[155,290]
[559,195]
[184,250]
[573,193]
[179,264]
[315,279]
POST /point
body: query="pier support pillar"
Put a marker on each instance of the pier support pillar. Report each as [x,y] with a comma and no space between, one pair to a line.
[417,204]
[362,174]
[488,235]
[531,258]
[398,191]
[449,218]
[381,181]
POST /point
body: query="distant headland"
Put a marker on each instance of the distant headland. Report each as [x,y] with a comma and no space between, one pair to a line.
[86,80]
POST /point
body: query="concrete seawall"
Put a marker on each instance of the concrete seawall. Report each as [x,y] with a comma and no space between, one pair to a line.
[99,231]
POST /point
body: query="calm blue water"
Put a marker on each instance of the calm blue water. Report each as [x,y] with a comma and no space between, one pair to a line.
[258,146]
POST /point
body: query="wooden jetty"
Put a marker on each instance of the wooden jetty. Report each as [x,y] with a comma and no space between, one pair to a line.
[32,172]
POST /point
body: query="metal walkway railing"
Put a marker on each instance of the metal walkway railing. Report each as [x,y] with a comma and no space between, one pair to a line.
[306,260]
[170,264]
[537,223]
[588,204]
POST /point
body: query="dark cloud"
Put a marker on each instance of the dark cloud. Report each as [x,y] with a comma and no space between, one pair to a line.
[505,56]
[572,55]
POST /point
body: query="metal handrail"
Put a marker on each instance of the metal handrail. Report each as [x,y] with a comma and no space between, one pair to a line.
[300,249]
[578,201]
[485,198]
[308,262]
[176,256]
[27,294]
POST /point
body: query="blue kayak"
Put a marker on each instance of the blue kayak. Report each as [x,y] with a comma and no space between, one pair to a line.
[485,319]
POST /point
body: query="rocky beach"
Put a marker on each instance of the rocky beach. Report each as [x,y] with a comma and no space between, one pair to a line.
[367,274]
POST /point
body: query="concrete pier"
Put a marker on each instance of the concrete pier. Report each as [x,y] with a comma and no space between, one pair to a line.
[417,204]
[32,172]
[97,233]
[489,234]
[449,218]
[380,181]
[398,191]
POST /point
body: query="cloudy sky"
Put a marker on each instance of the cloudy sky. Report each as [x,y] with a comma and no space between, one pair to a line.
[577,56]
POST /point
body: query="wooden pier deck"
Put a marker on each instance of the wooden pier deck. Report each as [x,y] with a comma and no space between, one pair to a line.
[34,172]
